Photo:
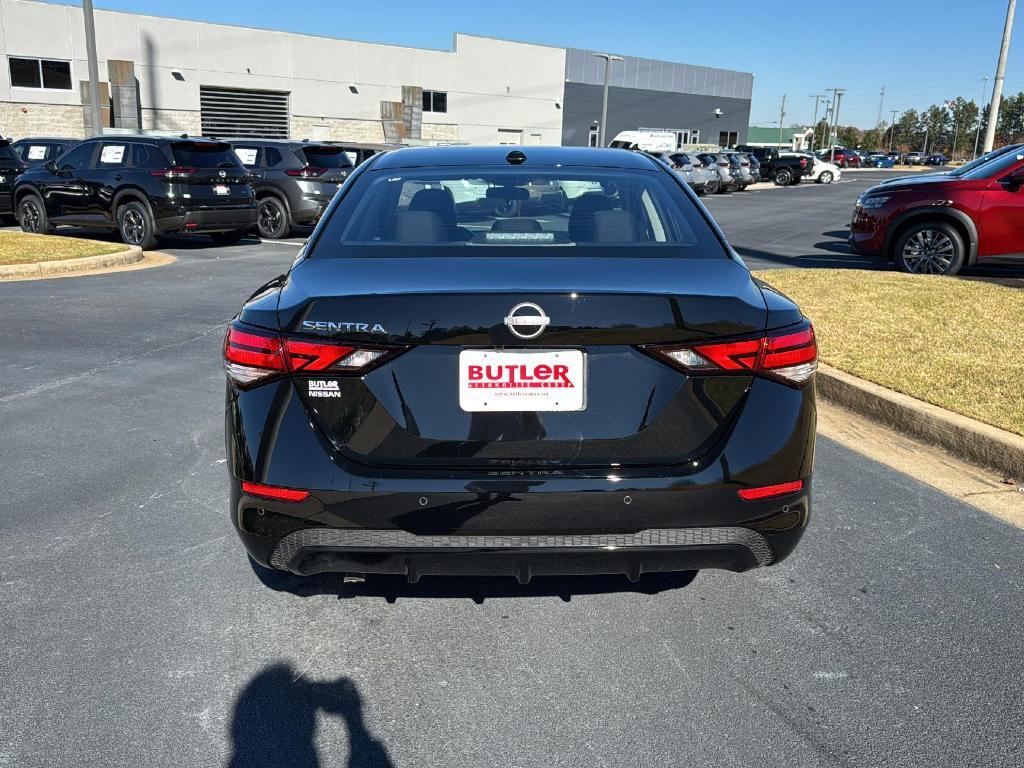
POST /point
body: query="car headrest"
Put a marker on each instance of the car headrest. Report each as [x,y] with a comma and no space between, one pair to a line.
[439,201]
[581,220]
[615,227]
[419,227]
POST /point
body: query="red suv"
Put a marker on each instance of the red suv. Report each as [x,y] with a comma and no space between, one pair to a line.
[845,158]
[936,224]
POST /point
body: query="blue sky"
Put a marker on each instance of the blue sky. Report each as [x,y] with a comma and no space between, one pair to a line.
[923,51]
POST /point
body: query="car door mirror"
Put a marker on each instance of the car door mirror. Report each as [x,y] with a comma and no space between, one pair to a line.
[1013,181]
[51,166]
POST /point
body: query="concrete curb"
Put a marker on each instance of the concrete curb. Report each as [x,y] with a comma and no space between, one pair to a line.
[130,255]
[965,438]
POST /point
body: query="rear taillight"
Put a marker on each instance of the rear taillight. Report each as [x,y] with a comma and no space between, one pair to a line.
[309,172]
[252,356]
[803,162]
[174,172]
[791,357]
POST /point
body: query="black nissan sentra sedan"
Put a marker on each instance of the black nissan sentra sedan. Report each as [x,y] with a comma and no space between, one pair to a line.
[454,379]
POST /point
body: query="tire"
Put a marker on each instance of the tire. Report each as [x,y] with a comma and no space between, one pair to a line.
[32,216]
[135,225]
[227,238]
[711,188]
[796,180]
[825,177]
[272,219]
[930,248]
[783,177]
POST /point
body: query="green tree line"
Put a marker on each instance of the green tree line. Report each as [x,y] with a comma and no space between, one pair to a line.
[951,130]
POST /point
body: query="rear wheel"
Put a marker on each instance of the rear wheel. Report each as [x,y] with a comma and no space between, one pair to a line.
[227,238]
[825,177]
[711,187]
[783,177]
[272,220]
[931,248]
[32,216]
[135,225]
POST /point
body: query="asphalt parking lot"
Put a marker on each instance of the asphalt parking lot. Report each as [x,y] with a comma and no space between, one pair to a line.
[136,634]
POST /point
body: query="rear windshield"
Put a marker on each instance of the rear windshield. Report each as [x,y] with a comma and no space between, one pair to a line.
[500,210]
[325,157]
[205,154]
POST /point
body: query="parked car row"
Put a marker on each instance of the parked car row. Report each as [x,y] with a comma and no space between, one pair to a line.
[147,186]
[731,170]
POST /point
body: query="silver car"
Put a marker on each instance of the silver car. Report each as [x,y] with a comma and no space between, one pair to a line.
[718,162]
[690,168]
[739,163]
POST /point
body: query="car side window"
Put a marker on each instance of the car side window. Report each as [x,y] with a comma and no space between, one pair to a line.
[114,155]
[78,158]
[146,156]
[249,156]
[273,157]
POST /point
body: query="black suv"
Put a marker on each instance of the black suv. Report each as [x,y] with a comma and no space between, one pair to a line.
[294,180]
[38,150]
[142,186]
[11,166]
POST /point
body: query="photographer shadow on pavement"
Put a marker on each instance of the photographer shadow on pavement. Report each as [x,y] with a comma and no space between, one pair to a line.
[475,588]
[275,720]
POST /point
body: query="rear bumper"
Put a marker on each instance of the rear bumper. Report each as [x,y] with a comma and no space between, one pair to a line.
[312,551]
[210,220]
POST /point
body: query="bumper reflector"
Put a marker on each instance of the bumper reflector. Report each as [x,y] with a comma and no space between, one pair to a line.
[770,491]
[274,492]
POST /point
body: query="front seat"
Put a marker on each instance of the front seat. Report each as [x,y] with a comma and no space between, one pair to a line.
[581,220]
[441,203]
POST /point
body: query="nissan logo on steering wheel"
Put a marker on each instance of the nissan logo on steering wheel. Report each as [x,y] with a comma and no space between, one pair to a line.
[527,320]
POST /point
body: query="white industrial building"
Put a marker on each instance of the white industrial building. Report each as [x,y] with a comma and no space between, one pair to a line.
[174,76]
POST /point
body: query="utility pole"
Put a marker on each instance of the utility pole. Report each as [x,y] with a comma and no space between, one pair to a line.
[925,150]
[814,123]
[838,95]
[892,130]
[881,103]
[94,69]
[782,115]
[997,86]
[827,119]
[977,133]
[608,59]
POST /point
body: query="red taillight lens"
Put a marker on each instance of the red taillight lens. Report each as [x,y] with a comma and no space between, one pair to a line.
[174,172]
[309,172]
[251,355]
[803,162]
[790,356]
[275,492]
[770,491]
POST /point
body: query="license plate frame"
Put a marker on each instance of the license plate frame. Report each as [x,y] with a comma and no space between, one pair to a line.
[527,380]
[221,189]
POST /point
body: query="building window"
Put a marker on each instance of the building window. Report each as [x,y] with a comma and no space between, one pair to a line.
[435,101]
[40,73]
[695,137]
[682,137]
[727,138]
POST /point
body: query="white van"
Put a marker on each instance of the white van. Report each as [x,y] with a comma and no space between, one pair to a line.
[646,141]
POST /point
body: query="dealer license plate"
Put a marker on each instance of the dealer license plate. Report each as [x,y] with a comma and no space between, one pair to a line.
[523,380]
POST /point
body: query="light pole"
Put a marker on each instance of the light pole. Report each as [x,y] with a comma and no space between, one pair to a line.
[892,130]
[977,133]
[925,152]
[94,69]
[608,59]
[997,86]
[838,95]
[814,123]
